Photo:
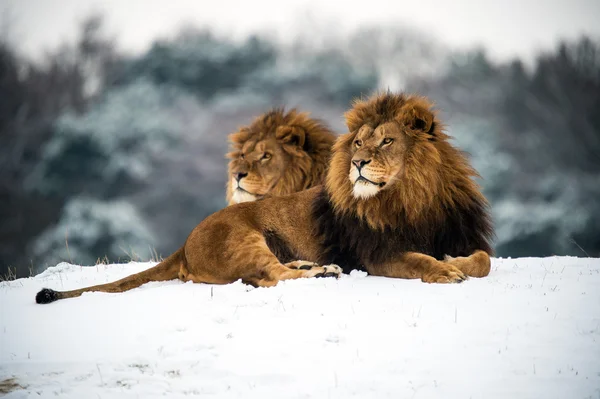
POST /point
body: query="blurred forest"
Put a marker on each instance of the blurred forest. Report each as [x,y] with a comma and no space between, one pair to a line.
[106,156]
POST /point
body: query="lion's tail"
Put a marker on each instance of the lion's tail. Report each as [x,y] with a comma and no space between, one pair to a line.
[168,269]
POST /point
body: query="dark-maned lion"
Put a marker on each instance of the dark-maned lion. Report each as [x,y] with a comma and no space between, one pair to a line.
[279,153]
[399,201]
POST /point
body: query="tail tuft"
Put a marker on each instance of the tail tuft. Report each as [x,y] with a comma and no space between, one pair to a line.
[46,295]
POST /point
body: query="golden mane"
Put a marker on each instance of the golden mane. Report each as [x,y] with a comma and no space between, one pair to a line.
[436,177]
[307,142]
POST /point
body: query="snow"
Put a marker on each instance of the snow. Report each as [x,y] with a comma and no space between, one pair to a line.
[529,330]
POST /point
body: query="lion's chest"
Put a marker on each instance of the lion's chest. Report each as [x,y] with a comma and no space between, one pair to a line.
[350,243]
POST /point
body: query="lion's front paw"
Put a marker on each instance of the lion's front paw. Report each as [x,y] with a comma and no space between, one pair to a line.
[301,265]
[444,273]
[330,271]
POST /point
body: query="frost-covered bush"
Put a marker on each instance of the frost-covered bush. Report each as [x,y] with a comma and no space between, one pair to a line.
[90,229]
[117,142]
[562,218]
[328,77]
[201,63]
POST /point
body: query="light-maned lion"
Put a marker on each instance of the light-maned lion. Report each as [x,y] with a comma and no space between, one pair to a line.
[279,153]
[399,201]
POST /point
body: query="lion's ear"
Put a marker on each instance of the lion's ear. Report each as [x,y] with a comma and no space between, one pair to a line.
[294,135]
[418,117]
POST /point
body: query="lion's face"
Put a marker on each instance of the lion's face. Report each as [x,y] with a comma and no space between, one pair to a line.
[391,157]
[395,164]
[377,157]
[255,169]
[279,153]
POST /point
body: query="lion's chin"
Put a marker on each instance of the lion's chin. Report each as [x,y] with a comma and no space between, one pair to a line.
[240,196]
[364,190]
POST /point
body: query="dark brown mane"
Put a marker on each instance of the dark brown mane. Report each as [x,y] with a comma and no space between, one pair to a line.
[434,207]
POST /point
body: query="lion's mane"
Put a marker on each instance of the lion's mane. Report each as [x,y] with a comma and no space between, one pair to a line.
[435,207]
[307,140]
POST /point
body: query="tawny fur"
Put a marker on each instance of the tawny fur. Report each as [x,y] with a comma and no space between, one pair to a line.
[423,218]
[297,147]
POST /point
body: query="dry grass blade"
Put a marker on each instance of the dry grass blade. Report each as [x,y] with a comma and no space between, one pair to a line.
[8,385]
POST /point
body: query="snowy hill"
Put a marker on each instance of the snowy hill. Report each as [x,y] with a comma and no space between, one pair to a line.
[529,330]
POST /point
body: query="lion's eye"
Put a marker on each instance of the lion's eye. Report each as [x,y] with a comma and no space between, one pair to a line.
[266,156]
[241,156]
[357,143]
[387,141]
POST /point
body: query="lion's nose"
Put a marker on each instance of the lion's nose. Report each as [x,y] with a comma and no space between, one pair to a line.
[359,163]
[239,176]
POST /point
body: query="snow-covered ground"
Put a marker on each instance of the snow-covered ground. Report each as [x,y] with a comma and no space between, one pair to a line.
[529,330]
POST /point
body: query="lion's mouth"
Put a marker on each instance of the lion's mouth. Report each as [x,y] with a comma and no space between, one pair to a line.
[240,195]
[362,179]
[239,188]
[255,195]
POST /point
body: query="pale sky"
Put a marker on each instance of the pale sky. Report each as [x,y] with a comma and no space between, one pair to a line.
[507,28]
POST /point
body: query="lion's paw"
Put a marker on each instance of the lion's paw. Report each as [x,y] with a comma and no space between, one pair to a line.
[301,265]
[329,271]
[444,274]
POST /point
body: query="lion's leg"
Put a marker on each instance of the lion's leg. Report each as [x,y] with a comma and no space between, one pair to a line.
[252,261]
[416,265]
[274,273]
[262,268]
[476,265]
[206,278]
